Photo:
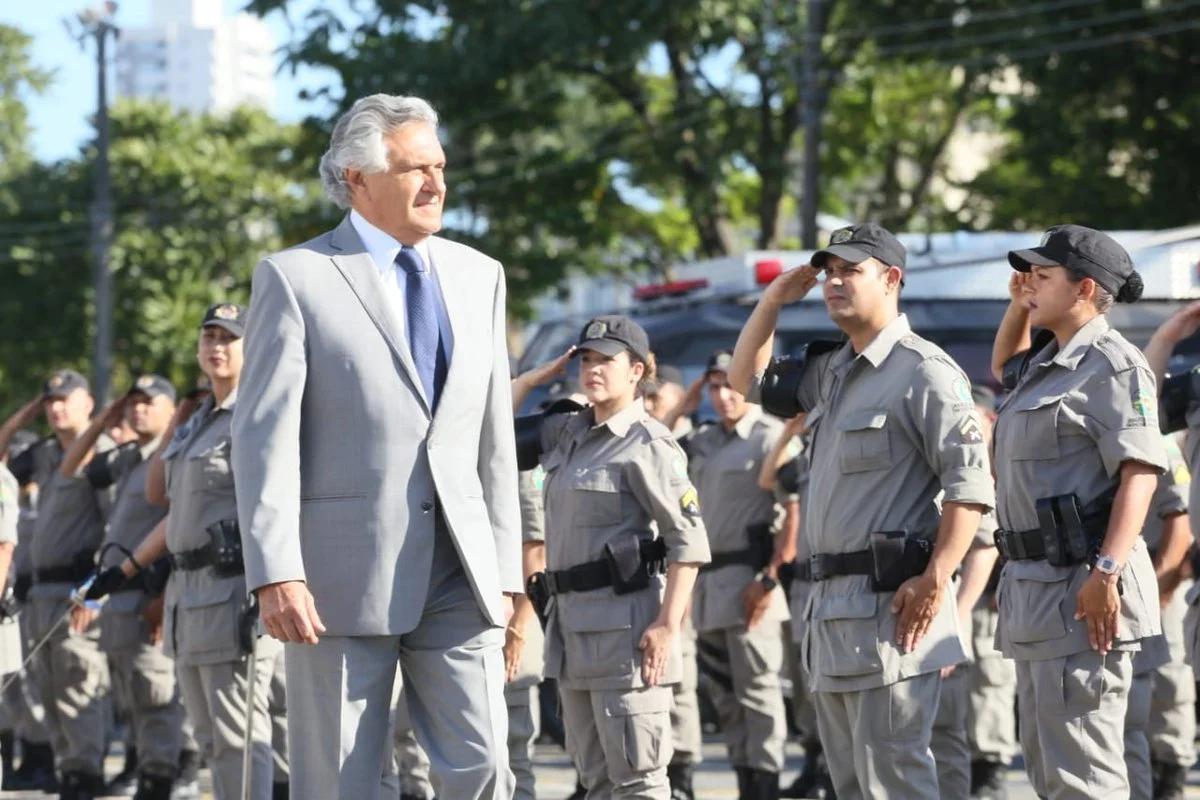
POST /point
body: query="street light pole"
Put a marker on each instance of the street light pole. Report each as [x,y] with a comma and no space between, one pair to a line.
[813,103]
[96,22]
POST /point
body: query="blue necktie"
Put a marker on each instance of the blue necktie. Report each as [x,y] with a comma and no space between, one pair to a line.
[424,334]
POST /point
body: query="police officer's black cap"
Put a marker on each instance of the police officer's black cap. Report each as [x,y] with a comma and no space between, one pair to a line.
[666,373]
[612,333]
[1085,250]
[63,382]
[857,243]
[719,361]
[153,386]
[229,316]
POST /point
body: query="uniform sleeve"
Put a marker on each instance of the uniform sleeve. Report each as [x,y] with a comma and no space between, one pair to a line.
[949,432]
[985,536]
[111,466]
[809,391]
[1123,416]
[533,515]
[1171,497]
[552,431]
[790,477]
[22,465]
[10,509]
[659,480]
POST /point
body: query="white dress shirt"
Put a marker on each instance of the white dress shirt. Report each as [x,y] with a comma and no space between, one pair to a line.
[383,250]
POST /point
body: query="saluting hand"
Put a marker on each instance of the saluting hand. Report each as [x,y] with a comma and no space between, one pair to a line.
[1099,603]
[289,613]
[1182,324]
[792,286]
[656,649]
[916,603]
[1016,286]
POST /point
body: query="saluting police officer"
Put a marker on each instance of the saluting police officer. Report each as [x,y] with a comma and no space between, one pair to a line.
[893,425]
[139,668]
[618,506]
[70,670]
[209,626]
[738,608]
[1077,455]
[1166,523]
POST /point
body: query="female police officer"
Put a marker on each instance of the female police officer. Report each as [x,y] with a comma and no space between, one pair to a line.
[614,475]
[1077,452]
[207,623]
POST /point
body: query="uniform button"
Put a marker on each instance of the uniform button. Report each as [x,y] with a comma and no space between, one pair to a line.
[427,506]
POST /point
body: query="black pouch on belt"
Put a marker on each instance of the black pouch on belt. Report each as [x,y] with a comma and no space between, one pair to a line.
[762,544]
[624,557]
[248,625]
[225,539]
[897,557]
[1062,530]
[535,589]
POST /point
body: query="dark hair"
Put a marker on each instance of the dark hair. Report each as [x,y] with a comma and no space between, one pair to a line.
[1131,290]
[648,385]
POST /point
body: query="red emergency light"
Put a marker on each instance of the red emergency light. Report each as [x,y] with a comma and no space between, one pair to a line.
[672,289]
[767,271]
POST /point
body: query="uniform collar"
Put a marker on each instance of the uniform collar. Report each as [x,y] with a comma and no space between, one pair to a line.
[745,425]
[1076,348]
[150,448]
[210,405]
[620,423]
[881,346]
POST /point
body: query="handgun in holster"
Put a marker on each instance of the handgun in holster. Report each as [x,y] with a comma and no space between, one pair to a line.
[624,557]
[539,596]
[897,556]
[225,539]
[762,544]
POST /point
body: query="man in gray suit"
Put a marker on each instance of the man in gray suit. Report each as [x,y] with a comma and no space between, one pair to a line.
[376,471]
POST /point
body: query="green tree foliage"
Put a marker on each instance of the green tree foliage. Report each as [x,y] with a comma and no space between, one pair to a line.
[19,77]
[199,199]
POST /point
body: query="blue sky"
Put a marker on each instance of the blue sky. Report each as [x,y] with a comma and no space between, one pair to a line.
[60,115]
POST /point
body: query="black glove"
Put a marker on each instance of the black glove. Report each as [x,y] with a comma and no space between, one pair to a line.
[9,605]
[106,583]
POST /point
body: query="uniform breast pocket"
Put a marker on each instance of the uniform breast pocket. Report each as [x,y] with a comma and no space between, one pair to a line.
[598,497]
[216,473]
[865,442]
[1037,431]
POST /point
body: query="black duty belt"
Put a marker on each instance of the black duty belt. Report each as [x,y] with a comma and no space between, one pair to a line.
[194,559]
[596,574]
[747,558]
[824,566]
[1021,545]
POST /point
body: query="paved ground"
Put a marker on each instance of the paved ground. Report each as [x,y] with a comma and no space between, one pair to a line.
[556,778]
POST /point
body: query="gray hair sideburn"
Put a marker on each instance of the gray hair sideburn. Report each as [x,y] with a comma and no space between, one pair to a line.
[357,140]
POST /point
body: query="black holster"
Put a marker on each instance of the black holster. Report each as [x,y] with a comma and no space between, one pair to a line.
[897,557]
[225,539]
[539,596]
[630,573]
[1178,394]
[1061,526]
[762,544]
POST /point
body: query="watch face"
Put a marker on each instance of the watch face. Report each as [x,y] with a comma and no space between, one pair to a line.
[1106,564]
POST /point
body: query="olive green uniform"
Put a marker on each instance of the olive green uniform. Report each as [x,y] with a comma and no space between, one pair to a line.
[626,477]
[1075,416]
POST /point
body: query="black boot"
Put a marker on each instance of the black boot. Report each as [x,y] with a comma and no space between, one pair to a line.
[743,782]
[762,785]
[1172,782]
[77,785]
[987,780]
[187,780]
[153,787]
[7,748]
[680,778]
[280,790]
[36,773]
[807,783]
[125,784]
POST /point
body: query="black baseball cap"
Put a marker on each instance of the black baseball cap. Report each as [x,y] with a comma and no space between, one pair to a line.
[719,361]
[1085,250]
[666,373]
[229,316]
[153,386]
[612,333]
[63,382]
[857,243]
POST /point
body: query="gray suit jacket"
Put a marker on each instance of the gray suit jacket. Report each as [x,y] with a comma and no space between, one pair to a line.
[340,466]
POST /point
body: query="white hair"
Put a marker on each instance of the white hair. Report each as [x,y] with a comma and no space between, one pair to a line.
[357,141]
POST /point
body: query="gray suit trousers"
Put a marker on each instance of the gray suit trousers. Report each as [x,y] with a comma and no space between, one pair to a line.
[452,664]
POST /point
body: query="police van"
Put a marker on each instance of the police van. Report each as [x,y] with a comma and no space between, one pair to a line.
[955,294]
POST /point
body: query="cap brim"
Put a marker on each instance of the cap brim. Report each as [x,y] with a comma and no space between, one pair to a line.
[236,328]
[605,347]
[1025,260]
[843,251]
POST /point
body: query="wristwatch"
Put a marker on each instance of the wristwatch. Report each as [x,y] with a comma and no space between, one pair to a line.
[767,582]
[1108,565]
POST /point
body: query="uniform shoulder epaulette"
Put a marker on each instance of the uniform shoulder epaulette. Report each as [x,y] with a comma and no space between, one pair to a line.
[921,346]
[1119,352]
[656,429]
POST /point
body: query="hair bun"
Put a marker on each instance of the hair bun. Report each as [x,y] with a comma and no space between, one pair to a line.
[1131,290]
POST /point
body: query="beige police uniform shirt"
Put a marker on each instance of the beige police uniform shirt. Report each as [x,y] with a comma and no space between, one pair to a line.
[70,521]
[724,467]
[892,428]
[203,611]
[1074,417]
[626,477]
[533,529]
[132,517]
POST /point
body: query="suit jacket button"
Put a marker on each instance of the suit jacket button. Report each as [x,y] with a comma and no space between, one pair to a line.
[427,506]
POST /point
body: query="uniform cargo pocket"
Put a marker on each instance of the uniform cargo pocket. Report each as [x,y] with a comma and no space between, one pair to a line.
[844,636]
[865,443]
[598,501]
[646,729]
[1031,605]
[597,639]
[208,618]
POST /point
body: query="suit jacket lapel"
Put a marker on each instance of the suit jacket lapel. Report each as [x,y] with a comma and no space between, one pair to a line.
[360,272]
[455,287]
